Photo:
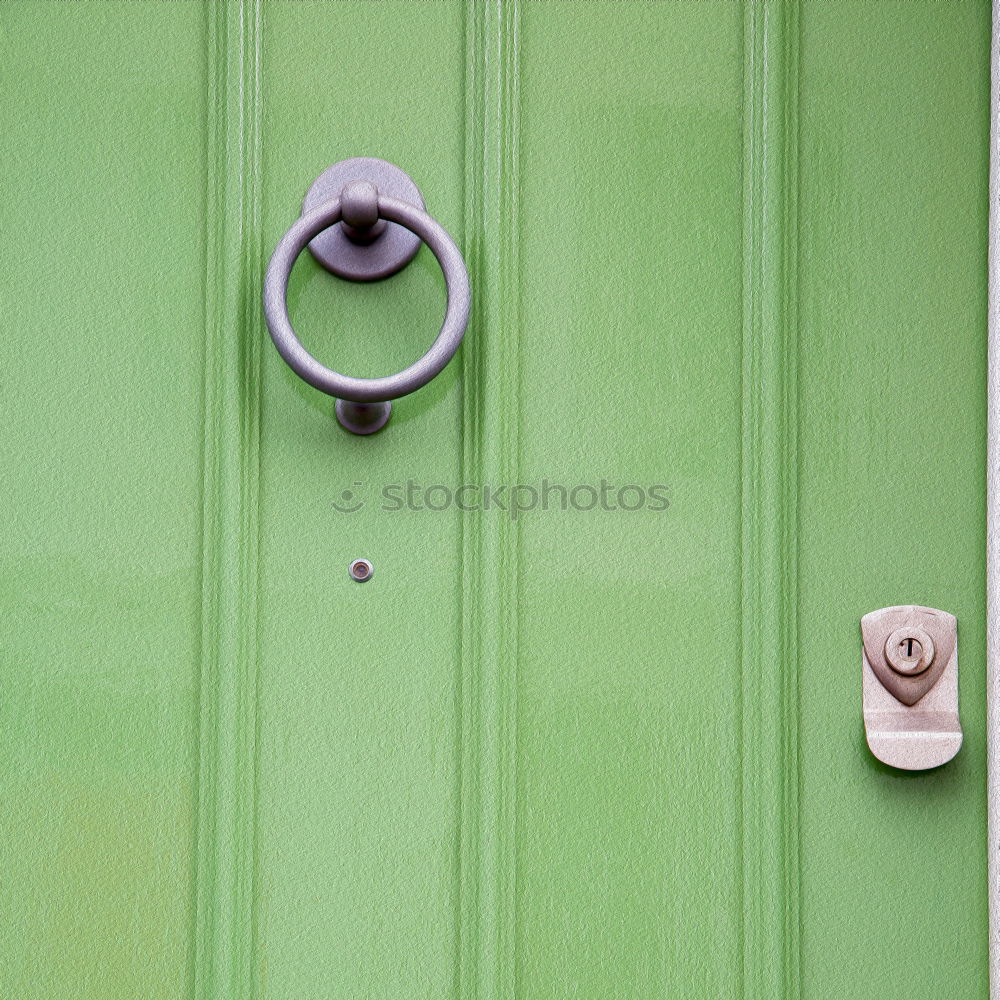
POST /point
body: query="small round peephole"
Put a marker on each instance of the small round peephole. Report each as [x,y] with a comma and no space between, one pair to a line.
[361,570]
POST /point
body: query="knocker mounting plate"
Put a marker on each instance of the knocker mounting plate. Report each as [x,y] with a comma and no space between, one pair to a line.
[388,247]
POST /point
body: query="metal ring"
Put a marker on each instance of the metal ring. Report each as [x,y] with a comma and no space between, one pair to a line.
[367,390]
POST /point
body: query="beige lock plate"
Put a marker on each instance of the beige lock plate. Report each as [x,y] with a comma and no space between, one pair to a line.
[909,682]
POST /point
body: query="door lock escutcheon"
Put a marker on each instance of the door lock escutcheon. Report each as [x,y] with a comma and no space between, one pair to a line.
[909,683]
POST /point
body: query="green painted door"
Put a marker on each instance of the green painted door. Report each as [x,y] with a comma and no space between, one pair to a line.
[724,385]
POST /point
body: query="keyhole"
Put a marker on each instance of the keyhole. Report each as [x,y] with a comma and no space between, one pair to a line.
[909,650]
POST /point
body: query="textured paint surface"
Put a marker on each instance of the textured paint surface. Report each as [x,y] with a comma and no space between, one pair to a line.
[736,250]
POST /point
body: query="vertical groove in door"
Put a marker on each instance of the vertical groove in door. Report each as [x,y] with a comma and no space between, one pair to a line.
[769,709]
[223,946]
[491,410]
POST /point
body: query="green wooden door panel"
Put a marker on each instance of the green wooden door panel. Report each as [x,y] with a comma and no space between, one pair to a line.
[627,671]
[103,264]
[892,300]
[359,729]
[728,255]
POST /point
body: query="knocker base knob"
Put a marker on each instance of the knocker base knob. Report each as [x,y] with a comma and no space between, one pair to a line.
[362,418]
